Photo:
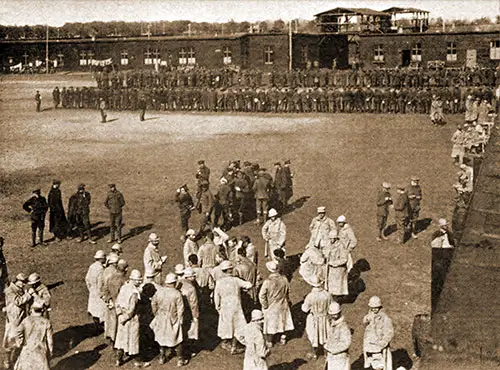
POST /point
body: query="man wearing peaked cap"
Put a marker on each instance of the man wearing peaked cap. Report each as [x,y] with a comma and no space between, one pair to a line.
[58,224]
[153,262]
[414,192]
[378,335]
[186,205]
[79,213]
[339,340]
[253,338]
[323,230]
[96,306]
[401,212]
[384,200]
[114,203]
[37,207]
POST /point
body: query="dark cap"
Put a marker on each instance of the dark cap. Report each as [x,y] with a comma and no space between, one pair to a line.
[277,164]
[111,185]
[246,163]
[288,161]
[36,191]
[401,187]
[183,186]
[201,161]
[56,182]
[81,186]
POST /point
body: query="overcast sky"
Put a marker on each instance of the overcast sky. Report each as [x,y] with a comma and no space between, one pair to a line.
[58,12]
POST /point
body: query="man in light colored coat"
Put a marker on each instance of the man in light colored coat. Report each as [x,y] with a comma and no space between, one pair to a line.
[153,262]
[208,252]
[190,323]
[323,230]
[339,340]
[316,306]
[347,237]
[113,278]
[274,233]
[126,305]
[336,281]
[378,336]
[190,246]
[274,299]
[253,339]
[168,309]
[96,307]
[227,300]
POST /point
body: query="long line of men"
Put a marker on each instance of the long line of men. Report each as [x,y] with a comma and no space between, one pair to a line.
[272,99]
[200,77]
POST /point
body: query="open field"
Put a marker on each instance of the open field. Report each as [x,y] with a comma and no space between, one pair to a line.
[339,161]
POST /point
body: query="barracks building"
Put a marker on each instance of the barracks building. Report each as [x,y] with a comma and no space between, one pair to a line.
[346,37]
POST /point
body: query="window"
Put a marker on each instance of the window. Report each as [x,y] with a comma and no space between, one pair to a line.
[124,58]
[416,52]
[90,57]
[11,60]
[83,58]
[191,56]
[182,56]
[305,53]
[378,55]
[268,55]
[156,57]
[147,57]
[495,49]
[451,52]
[60,59]
[227,58]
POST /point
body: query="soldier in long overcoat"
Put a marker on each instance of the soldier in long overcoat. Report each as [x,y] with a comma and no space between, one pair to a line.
[323,229]
[153,262]
[274,233]
[189,290]
[96,307]
[252,337]
[378,336]
[347,237]
[113,278]
[339,340]
[58,224]
[336,281]
[384,200]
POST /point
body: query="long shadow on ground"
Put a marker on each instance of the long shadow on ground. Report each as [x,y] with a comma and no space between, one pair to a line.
[137,231]
[356,284]
[80,361]
[68,338]
[295,364]
[399,358]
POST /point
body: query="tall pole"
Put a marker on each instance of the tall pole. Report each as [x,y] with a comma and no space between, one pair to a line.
[47,51]
[290,50]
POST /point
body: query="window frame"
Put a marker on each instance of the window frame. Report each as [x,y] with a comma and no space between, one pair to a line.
[268,55]
[451,51]
[495,49]
[416,52]
[124,57]
[227,55]
[379,54]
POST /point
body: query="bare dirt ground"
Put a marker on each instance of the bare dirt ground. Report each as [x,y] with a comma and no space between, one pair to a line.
[339,161]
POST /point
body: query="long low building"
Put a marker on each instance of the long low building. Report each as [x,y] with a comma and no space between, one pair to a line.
[262,51]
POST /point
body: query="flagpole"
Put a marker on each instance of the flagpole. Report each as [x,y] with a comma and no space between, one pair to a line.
[47,51]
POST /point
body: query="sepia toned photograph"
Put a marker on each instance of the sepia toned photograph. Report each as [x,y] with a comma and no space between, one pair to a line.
[250,184]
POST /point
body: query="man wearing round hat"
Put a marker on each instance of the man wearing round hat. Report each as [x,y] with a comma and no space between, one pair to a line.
[323,230]
[377,337]
[127,333]
[384,200]
[458,150]
[227,301]
[275,302]
[37,206]
[16,299]
[316,306]
[35,333]
[153,262]
[312,264]
[339,340]
[39,292]
[253,339]
[347,237]
[168,308]
[96,306]
[114,203]
[401,212]
[58,224]
[414,192]
[190,325]
[274,233]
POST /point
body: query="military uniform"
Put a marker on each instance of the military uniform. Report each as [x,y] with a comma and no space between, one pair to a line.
[37,206]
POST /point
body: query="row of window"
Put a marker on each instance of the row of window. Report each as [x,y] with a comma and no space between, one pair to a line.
[451,52]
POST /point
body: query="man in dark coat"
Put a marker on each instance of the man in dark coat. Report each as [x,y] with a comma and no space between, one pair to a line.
[79,212]
[384,200]
[114,203]
[142,107]
[402,212]
[288,181]
[38,99]
[56,97]
[58,225]
[202,175]
[414,192]
[186,205]
[37,206]
[205,204]
[4,274]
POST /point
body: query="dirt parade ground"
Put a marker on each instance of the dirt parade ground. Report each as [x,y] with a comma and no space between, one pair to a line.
[339,162]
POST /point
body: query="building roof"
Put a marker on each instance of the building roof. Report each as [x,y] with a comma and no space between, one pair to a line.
[357,11]
[396,9]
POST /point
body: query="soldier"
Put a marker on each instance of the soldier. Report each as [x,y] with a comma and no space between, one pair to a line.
[16,300]
[205,204]
[316,306]
[109,285]
[79,210]
[414,192]
[39,292]
[401,212]
[204,280]
[142,107]
[384,200]
[35,335]
[190,246]
[168,309]
[337,256]
[153,263]
[458,151]
[339,340]
[253,339]
[241,191]
[222,207]
[186,205]
[202,175]
[347,237]
[114,203]
[247,270]
[126,305]
[37,206]
[95,306]
[102,110]
[58,224]
[280,186]
[275,302]
[323,230]
[56,97]
[38,100]
[208,252]
[4,273]
[261,189]
[378,336]
[190,326]
[274,233]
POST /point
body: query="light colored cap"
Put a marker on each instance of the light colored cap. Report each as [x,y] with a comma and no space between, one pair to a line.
[116,247]
[33,278]
[112,258]
[272,266]
[341,218]
[272,212]
[226,265]
[99,255]
[375,302]
[190,232]
[122,265]
[153,237]
[150,273]
[37,305]
[171,279]
[189,272]
[334,308]
[135,275]
[321,209]
[463,166]
[223,180]
[257,315]
[21,277]
[179,269]
[386,185]
[442,222]
[315,281]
